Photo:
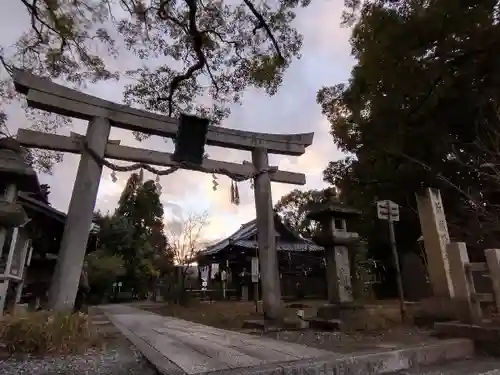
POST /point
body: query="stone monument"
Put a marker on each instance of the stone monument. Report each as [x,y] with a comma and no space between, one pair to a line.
[332,234]
[15,175]
[436,239]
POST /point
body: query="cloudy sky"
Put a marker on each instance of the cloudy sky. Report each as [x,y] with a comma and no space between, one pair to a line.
[326,61]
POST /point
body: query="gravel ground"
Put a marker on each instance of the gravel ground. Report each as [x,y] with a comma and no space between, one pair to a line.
[118,360]
[118,357]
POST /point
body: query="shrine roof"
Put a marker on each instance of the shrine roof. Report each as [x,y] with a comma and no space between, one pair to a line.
[38,206]
[48,219]
[244,237]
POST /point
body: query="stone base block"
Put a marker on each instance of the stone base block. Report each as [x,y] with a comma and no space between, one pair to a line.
[435,309]
[336,311]
[271,326]
[386,362]
[324,324]
[479,333]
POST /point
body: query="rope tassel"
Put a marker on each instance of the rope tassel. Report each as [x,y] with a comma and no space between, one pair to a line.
[236,194]
[233,200]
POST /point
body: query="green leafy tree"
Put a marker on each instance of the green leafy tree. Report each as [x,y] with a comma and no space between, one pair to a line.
[103,269]
[126,204]
[420,109]
[294,207]
[114,234]
[214,48]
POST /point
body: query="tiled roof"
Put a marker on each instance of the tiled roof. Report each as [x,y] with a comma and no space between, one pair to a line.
[305,245]
[241,236]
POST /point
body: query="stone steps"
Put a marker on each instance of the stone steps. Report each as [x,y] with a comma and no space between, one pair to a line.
[398,361]
[448,357]
[473,366]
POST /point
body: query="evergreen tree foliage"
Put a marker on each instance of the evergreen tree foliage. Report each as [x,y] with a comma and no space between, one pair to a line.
[420,110]
[294,207]
[135,233]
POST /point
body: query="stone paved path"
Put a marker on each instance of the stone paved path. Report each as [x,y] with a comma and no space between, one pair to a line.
[182,347]
[179,347]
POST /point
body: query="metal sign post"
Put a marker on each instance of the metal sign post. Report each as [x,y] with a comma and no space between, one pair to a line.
[223,278]
[389,210]
[255,281]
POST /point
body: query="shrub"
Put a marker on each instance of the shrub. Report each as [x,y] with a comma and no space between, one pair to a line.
[46,332]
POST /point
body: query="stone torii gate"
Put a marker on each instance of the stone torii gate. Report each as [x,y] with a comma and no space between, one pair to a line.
[95,146]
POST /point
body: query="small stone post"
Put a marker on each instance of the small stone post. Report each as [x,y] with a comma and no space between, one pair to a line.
[493,262]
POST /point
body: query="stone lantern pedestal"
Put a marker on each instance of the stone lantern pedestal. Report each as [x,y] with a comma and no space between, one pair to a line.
[332,234]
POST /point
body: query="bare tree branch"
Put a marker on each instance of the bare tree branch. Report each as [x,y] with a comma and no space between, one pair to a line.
[185,237]
[197,43]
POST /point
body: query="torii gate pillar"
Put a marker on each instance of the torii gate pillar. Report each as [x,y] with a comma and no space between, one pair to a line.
[266,238]
[66,277]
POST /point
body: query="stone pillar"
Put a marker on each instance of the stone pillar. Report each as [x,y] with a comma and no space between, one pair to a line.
[66,277]
[458,259]
[338,275]
[493,262]
[343,274]
[19,291]
[244,292]
[436,238]
[268,257]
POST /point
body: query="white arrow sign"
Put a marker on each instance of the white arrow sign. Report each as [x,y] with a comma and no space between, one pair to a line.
[388,210]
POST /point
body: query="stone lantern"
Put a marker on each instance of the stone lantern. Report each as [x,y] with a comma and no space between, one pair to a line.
[15,175]
[332,234]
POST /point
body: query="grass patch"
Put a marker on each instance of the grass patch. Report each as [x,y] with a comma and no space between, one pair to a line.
[220,314]
[231,315]
[43,332]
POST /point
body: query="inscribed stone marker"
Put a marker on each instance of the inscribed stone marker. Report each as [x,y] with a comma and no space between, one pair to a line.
[436,238]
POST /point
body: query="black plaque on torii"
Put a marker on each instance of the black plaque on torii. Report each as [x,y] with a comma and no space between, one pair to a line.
[190,140]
